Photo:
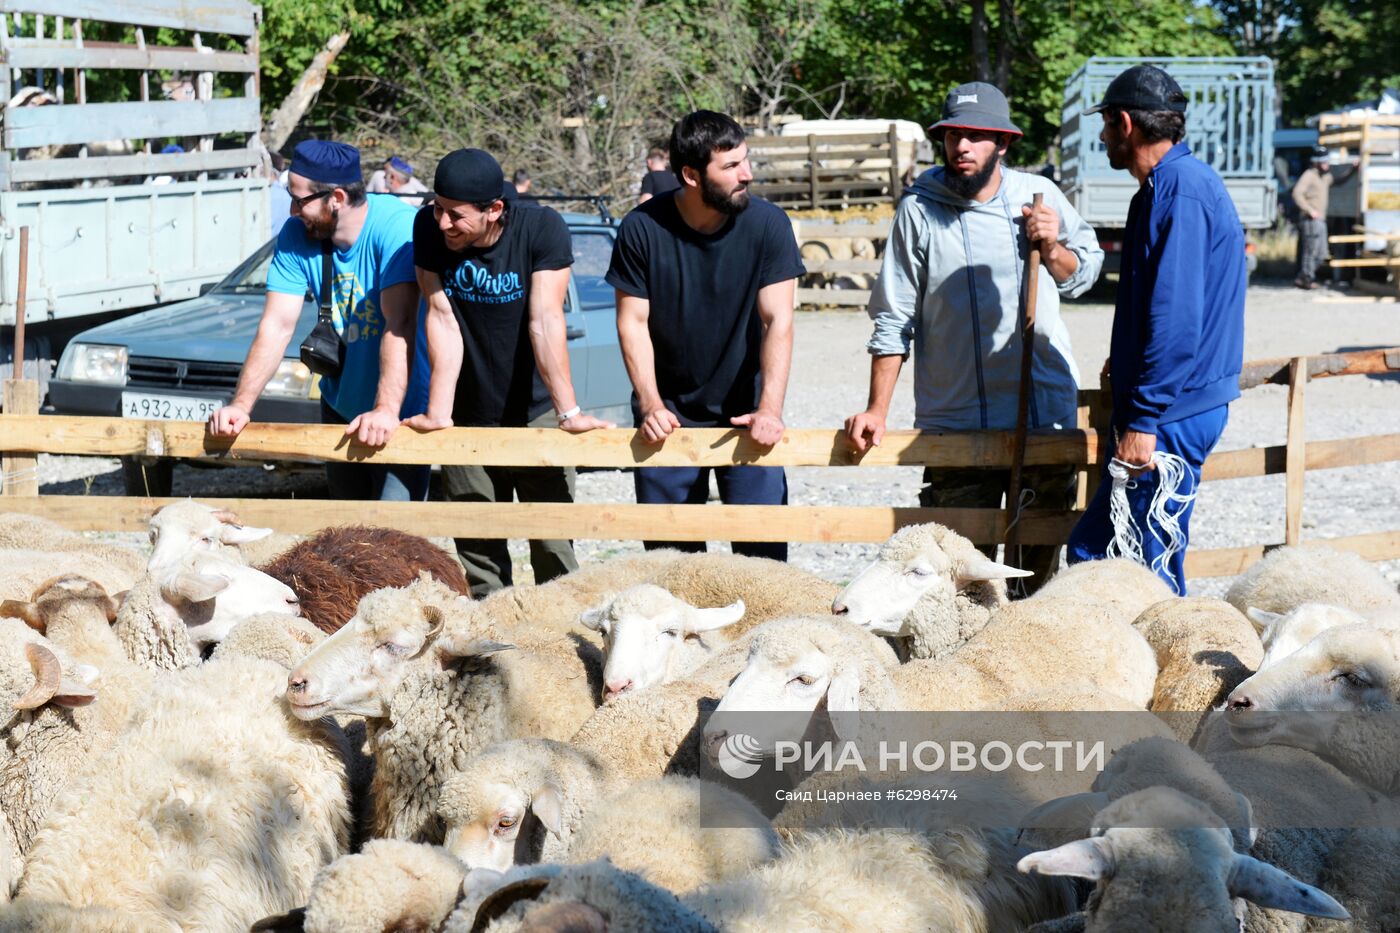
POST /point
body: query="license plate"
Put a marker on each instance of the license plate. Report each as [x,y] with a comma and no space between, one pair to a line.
[168,407]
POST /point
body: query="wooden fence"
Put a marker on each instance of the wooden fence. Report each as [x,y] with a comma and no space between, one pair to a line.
[23,436]
[827,171]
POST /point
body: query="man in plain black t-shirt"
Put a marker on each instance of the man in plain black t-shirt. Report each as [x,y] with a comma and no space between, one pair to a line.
[495,276]
[659,178]
[705,280]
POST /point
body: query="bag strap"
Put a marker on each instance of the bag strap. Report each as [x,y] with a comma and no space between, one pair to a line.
[324,313]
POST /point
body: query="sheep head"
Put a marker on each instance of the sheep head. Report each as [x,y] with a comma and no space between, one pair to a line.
[182,527]
[1284,633]
[357,669]
[801,667]
[1158,839]
[645,632]
[920,562]
[495,808]
[211,593]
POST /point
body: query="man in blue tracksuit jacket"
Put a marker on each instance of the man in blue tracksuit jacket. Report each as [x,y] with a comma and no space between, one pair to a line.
[1178,328]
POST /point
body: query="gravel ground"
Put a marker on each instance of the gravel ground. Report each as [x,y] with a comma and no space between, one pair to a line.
[1280,321]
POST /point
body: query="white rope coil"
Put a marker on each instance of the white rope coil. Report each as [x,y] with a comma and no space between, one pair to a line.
[1168,502]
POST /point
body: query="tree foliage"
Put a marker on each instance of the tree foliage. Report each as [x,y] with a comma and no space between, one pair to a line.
[576,90]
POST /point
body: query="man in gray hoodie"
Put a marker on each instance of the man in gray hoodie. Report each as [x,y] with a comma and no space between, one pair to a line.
[951,284]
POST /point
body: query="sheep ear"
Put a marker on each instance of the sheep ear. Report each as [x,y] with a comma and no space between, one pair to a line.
[449,647]
[232,533]
[194,587]
[1262,618]
[843,693]
[595,619]
[549,809]
[1083,858]
[1267,886]
[707,620]
[18,609]
[976,571]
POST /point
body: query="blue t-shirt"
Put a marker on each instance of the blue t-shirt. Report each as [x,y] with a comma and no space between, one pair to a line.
[381,256]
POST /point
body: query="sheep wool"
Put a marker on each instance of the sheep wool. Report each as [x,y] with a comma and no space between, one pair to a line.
[390,885]
[1311,573]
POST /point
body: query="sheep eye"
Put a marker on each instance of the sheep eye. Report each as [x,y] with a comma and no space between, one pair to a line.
[505,822]
[1353,679]
[805,680]
[392,648]
[671,633]
[920,571]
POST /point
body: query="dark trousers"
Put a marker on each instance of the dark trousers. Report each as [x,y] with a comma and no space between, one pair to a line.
[738,485]
[1312,236]
[1192,439]
[369,481]
[972,488]
[486,561]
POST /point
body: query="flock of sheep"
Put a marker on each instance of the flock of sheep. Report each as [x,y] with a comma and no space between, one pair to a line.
[343,741]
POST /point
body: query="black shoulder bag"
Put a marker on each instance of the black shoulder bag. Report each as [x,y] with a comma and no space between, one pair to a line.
[323,351]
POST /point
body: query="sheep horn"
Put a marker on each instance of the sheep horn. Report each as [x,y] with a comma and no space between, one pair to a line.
[48,677]
[564,917]
[502,899]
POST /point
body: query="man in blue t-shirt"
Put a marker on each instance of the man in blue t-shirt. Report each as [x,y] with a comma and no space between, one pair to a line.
[375,310]
[1178,328]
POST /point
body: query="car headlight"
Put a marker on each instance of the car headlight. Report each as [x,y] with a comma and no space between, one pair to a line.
[292,380]
[93,362]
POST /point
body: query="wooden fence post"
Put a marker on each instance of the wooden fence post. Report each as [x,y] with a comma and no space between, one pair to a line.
[814,188]
[1295,455]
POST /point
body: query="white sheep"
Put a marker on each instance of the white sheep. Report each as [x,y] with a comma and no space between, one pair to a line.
[1124,586]
[389,885]
[436,691]
[651,637]
[1073,642]
[170,616]
[1284,633]
[1349,669]
[1311,573]
[215,809]
[273,636]
[520,801]
[189,526]
[1162,861]
[24,571]
[929,587]
[32,533]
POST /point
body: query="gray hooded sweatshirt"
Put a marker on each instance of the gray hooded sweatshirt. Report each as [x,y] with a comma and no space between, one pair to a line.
[951,283]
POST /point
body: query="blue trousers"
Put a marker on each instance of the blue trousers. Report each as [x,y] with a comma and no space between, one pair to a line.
[1192,439]
[738,485]
[367,482]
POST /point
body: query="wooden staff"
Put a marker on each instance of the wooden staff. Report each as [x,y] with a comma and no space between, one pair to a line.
[1023,400]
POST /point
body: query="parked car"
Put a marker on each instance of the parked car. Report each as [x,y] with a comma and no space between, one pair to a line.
[181,362]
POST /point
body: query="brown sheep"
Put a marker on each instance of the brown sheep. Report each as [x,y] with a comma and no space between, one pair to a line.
[331,570]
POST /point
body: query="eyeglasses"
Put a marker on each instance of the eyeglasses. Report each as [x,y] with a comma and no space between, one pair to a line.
[299,203]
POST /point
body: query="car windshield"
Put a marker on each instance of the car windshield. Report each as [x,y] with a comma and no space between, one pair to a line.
[592,253]
[250,278]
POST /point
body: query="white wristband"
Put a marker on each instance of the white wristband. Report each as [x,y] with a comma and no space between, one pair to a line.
[566,415]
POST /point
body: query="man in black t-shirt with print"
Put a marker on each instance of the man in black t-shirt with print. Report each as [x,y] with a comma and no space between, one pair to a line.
[705,280]
[495,277]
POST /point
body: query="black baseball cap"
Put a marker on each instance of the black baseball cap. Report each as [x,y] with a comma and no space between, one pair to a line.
[471,175]
[976,106]
[1142,87]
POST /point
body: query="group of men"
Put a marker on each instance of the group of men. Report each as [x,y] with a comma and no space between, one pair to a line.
[705,277]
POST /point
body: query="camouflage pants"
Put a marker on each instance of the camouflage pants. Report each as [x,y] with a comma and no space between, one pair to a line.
[971,488]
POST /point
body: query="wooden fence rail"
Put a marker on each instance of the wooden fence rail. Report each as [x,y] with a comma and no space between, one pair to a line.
[31,434]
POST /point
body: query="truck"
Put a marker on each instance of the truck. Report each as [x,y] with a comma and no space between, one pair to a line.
[135,166]
[1229,125]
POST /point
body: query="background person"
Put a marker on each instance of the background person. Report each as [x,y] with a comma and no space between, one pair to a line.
[1178,326]
[1310,195]
[950,287]
[705,283]
[659,178]
[374,307]
[495,277]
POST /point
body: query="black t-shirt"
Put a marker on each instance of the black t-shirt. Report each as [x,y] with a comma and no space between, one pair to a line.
[659,182]
[703,293]
[489,290]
